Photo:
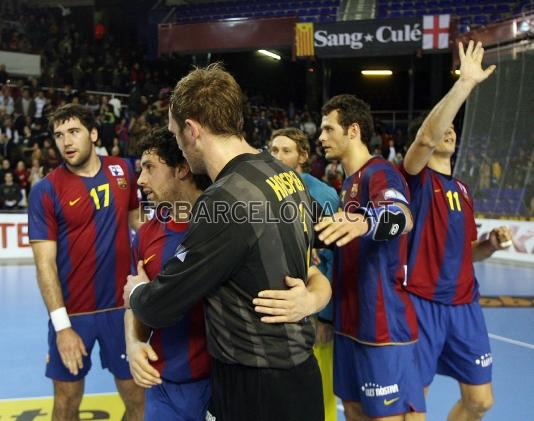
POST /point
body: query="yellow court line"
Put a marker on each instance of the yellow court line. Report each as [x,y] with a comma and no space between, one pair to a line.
[94,406]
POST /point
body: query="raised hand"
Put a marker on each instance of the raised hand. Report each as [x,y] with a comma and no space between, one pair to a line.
[471,63]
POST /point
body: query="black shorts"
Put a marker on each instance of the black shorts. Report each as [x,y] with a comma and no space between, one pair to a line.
[241,393]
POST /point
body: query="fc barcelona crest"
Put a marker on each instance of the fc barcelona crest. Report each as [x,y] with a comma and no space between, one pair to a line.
[354,191]
[121,181]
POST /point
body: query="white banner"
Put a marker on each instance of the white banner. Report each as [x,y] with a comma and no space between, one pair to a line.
[21,64]
[14,241]
[522,248]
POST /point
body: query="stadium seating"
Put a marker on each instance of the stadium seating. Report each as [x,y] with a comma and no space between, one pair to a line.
[306,11]
[471,13]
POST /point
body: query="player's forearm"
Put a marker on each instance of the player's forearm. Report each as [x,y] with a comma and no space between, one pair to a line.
[408,216]
[482,250]
[134,330]
[319,286]
[49,285]
[443,114]
[434,127]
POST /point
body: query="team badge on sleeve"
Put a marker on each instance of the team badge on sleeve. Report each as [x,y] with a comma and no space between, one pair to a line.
[116,170]
[391,194]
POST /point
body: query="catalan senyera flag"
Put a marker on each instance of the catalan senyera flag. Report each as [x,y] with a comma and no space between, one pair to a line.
[304,40]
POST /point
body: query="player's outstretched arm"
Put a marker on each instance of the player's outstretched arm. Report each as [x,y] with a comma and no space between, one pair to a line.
[341,228]
[139,352]
[381,224]
[498,239]
[297,302]
[70,346]
[442,115]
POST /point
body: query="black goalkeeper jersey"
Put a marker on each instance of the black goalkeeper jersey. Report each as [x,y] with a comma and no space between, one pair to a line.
[248,231]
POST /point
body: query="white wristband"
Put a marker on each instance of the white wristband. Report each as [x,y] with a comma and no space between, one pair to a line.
[133,289]
[60,319]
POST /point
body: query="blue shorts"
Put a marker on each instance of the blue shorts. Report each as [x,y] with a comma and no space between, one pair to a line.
[385,380]
[178,401]
[108,328]
[453,341]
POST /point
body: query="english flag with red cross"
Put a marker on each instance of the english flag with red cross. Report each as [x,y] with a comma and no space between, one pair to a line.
[436,32]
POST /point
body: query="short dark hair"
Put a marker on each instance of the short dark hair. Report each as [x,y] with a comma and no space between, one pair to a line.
[212,97]
[163,143]
[352,110]
[68,111]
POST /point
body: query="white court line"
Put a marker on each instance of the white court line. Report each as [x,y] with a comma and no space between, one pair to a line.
[511,341]
[50,397]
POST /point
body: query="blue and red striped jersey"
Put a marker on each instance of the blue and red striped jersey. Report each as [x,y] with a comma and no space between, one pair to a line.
[370,303]
[88,219]
[440,258]
[181,348]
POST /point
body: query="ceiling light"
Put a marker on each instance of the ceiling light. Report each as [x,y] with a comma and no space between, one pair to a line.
[377,72]
[270,54]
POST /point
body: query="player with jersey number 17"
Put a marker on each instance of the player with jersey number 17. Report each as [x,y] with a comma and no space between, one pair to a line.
[78,228]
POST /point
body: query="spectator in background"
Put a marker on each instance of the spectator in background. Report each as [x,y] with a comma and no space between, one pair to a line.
[40,103]
[9,131]
[485,175]
[23,176]
[496,172]
[121,131]
[6,146]
[52,160]
[391,151]
[334,174]
[27,144]
[309,127]
[107,125]
[10,194]
[6,100]
[137,130]
[100,150]
[115,150]
[25,104]
[116,104]
[376,139]
[36,172]
[317,163]
[92,104]
[5,168]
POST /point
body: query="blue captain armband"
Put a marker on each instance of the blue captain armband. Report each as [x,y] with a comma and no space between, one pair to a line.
[385,223]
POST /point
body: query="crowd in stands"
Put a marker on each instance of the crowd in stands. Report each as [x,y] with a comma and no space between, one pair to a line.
[28,152]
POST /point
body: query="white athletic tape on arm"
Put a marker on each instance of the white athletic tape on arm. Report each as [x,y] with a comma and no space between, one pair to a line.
[60,319]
